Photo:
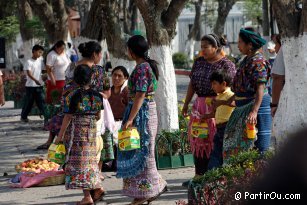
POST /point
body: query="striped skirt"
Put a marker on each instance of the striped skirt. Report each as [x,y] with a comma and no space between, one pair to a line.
[81,167]
[148,182]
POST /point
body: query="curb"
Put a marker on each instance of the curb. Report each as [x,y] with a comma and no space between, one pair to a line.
[182,72]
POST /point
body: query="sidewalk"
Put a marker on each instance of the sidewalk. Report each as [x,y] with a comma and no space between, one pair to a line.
[18,142]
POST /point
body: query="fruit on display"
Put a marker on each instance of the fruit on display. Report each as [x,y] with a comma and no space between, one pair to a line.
[37,165]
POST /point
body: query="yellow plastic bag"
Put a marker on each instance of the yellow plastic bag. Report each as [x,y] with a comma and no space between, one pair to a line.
[128,139]
[56,153]
[200,129]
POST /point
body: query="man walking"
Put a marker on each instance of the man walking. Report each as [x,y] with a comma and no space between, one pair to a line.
[34,84]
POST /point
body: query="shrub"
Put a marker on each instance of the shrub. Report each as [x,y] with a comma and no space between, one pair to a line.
[180,60]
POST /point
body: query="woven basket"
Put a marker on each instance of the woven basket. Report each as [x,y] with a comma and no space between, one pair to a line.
[54,180]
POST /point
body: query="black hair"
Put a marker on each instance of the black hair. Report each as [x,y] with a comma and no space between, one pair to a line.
[57,45]
[69,45]
[221,76]
[122,69]
[215,41]
[37,47]
[89,48]
[82,75]
[139,46]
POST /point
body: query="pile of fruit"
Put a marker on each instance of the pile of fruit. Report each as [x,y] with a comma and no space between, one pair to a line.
[37,165]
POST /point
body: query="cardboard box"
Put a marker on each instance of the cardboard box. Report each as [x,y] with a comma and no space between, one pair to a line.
[128,139]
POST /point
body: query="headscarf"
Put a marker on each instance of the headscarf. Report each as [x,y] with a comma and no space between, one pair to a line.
[254,38]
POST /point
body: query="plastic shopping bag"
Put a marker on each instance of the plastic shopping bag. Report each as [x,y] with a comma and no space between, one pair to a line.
[108,116]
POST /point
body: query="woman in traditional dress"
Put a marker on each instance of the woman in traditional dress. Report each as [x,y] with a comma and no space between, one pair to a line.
[91,56]
[118,102]
[211,60]
[81,167]
[251,98]
[138,167]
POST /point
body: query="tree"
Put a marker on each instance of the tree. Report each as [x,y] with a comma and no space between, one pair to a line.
[195,32]
[291,115]
[265,17]
[25,14]
[106,22]
[224,7]
[8,8]
[253,11]
[160,18]
[53,16]
[84,7]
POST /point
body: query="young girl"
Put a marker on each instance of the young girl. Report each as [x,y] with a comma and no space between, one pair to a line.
[84,106]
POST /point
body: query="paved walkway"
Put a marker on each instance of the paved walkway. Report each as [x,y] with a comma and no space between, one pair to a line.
[18,142]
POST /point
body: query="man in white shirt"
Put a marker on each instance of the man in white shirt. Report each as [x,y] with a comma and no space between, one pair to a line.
[278,74]
[34,84]
[2,100]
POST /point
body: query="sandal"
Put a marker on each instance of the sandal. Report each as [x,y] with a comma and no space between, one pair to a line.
[97,195]
[84,203]
[139,201]
[43,146]
[157,196]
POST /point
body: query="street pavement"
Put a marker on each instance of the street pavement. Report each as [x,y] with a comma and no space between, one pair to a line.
[18,142]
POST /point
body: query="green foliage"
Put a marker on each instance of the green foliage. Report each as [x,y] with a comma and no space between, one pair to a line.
[210,15]
[218,186]
[9,28]
[8,8]
[172,143]
[180,60]
[253,11]
[37,28]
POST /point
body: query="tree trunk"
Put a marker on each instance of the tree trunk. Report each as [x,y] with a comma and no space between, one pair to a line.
[195,33]
[93,27]
[265,17]
[53,16]
[84,7]
[160,20]
[291,113]
[25,13]
[224,7]
[114,35]
[103,18]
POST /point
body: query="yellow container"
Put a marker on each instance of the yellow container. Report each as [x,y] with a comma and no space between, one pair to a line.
[200,130]
[56,153]
[128,139]
[251,131]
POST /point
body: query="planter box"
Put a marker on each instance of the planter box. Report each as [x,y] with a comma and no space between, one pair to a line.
[167,162]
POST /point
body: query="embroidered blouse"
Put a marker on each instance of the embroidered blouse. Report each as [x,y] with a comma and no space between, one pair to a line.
[201,72]
[142,79]
[87,102]
[253,70]
[99,82]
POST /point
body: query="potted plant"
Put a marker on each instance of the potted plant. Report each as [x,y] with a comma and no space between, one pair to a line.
[219,186]
[172,150]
